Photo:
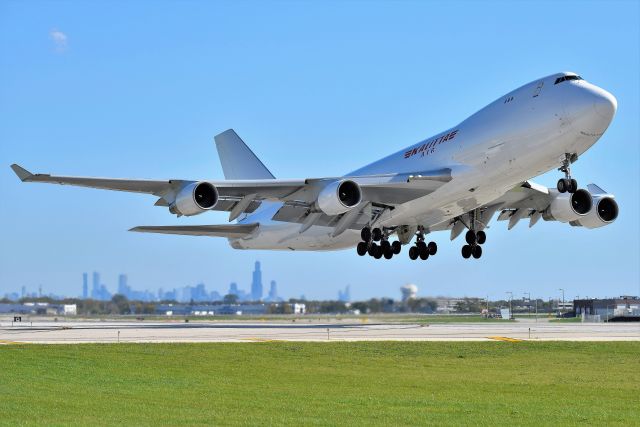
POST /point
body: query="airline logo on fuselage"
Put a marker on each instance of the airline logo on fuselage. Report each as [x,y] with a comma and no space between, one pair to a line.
[430,147]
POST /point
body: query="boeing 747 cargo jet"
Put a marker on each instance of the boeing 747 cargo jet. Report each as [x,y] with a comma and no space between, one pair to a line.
[456,180]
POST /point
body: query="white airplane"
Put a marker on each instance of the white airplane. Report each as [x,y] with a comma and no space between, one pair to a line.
[456,180]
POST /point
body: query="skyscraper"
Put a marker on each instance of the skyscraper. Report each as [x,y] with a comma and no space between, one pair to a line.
[85,285]
[256,284]
[273,291]
[233,289]
[95,290]
[123,289]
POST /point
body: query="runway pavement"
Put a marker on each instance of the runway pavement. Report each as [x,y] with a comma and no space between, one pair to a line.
[93,331]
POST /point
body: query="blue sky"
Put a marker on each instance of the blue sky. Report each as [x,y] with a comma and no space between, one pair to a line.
[139,89]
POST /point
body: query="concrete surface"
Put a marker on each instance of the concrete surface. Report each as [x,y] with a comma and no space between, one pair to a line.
[95,331]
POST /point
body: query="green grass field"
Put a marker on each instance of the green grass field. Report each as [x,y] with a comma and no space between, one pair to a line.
[369,383]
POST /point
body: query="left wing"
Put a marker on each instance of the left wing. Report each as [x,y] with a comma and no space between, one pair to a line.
[225,230]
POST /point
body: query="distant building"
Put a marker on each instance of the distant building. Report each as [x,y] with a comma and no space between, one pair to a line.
[233,289]
[345,296]
[123,288]
[623,307]
[85,286]
[256,283]
[273,292]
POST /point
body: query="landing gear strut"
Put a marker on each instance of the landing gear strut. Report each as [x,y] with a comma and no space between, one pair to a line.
[422,249]
[567,184]
[369,246]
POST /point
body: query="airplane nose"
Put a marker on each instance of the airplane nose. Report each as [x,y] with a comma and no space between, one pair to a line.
[605,104]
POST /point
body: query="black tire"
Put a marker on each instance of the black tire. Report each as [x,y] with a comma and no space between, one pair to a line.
[372,249]
[433,248]
[385,245]
[421,244]
[388,254]
[362,248]
[574,186]
[476,252]
[378,253]
[376,234]
[414,252]
[365,234]
[562,186]
[481,237]
[397,247]
[470,237]
[424,253]
[466,251]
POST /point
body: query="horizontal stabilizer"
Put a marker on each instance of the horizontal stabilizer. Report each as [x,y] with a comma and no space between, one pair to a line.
[226,230]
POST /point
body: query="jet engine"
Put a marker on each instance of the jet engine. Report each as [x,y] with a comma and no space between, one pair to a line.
[604,213]
[567,207]
[339,196]
[194,198]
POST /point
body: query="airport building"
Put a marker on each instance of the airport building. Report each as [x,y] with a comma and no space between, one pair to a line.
[40,308]
[621,309]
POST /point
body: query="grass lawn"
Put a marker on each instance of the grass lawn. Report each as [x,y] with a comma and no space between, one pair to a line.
[366,383]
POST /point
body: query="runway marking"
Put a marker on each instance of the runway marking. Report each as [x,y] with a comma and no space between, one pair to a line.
[505,339]
[256,339]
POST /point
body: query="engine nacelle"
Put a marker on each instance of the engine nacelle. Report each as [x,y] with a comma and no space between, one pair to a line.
[567,207]
[194,199]
[605,212]
[339,196]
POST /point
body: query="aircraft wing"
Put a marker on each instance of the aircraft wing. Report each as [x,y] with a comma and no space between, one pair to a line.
[225,230]
[382,189]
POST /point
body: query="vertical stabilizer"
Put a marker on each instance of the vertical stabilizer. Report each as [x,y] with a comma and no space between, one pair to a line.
[238,161]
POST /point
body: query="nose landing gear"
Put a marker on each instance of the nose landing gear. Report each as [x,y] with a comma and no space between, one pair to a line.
[567,184]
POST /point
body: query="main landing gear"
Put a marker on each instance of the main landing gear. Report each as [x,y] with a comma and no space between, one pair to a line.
[422,249]
[369,246]
[567,184]
[474,240]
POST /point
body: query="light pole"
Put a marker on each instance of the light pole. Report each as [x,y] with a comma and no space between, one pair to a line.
[510,298]
[562,300]
[528,294]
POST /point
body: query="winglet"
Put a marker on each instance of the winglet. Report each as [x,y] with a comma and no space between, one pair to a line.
[22,173]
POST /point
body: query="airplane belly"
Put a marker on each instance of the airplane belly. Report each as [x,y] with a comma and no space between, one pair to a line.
[286,236]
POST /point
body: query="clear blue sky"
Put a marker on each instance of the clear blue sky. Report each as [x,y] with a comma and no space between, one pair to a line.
[139,89]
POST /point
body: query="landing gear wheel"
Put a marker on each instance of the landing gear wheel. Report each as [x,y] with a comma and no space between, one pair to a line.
[420,244]
[385,245]
[481,237]
[372,249]
[562,185]
[433,248]
[466,251]
[365,234]
[574,186]
[388,254]
[424,253]
[397,247]
[476,251]
[414,252]
[378,253]
[362,248]
[470,237]
[376,234]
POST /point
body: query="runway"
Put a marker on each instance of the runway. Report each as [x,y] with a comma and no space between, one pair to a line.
[92,331]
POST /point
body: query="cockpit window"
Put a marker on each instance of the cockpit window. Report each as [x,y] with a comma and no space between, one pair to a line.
[566,78]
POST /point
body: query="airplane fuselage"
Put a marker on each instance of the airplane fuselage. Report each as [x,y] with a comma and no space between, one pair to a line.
[520,135]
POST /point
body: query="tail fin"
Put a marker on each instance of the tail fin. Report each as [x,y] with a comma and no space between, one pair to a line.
[238,161]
